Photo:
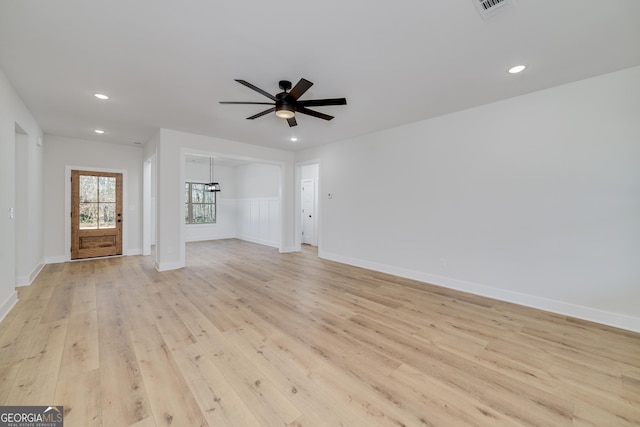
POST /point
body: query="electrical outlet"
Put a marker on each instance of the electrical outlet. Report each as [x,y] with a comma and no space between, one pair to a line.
[11,213]
[443,262]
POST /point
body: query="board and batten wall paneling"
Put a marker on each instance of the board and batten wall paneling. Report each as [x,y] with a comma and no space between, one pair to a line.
[258,204]
[533,199]
[259,221]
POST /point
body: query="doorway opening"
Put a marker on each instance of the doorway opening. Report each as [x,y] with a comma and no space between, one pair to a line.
[20,210]
[309,180]
[149,207]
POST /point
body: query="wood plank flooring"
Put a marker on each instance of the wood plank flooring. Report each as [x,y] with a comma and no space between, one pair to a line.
[245,336]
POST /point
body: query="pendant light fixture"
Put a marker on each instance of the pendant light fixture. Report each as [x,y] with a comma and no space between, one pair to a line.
[212,186]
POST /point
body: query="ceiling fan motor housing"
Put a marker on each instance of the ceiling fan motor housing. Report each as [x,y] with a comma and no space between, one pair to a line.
[285,85]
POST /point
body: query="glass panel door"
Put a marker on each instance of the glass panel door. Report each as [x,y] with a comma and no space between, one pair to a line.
[96,214]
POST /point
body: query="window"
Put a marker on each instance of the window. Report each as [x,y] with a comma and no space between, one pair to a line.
[199,205]
[97,202]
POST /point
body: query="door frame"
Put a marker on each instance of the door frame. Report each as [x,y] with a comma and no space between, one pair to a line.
[298,204]
[78,234]
[313,241]
[67,208]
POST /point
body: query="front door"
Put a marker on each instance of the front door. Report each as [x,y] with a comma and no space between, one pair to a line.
[96,214]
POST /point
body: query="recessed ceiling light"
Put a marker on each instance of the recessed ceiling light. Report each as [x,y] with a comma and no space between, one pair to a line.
[517,69]
[294,139]
[100,96]
[98,131]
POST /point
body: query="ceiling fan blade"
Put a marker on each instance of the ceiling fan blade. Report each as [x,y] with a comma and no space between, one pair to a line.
[270,110]
[321,102]
[292,122]
[300,88]
[252,103]
[317,114]
[257,89]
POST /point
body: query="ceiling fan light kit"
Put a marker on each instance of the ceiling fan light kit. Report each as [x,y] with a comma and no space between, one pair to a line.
[287,103]
[285,111]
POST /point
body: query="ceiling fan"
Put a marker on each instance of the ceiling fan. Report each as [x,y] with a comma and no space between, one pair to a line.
[286,103]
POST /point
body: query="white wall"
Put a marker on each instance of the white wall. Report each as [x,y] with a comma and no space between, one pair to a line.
[535,199]
[258,204]
[61,153]
[225,226]
[309,171]
[257,180]
[172,148]
[13,112]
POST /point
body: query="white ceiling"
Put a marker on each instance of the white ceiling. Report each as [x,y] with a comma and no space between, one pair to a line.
[217,161]
[168,63]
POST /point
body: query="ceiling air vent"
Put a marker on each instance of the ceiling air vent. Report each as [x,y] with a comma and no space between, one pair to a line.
[488,8]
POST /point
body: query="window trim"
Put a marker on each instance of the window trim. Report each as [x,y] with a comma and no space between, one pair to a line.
[189,205]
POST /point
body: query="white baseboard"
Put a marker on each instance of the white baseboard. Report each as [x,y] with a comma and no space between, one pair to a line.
[22,281]
[581,312]
[288,249]
[166,266]
[131,252]
[259,241]
[56,259]
[36,271]
[28,280]
[216,237]
[8,304]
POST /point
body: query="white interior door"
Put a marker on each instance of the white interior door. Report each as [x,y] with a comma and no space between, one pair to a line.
[308,212]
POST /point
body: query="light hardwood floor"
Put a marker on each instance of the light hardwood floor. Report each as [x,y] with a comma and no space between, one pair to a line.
[245,336]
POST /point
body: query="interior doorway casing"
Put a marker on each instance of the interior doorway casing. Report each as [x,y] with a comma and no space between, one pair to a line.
[19,213]
[148,205]
[301,173]
[184,151]
[25,208]
[308,210]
